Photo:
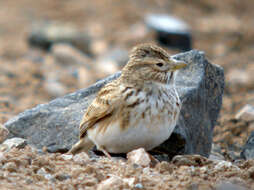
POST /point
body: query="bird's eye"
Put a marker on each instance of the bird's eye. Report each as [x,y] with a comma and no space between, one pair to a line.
[159,64]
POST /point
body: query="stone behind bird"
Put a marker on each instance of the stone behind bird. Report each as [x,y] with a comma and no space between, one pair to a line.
[200,85]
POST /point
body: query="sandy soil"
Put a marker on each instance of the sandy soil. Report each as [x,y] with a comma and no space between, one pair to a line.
[223,29]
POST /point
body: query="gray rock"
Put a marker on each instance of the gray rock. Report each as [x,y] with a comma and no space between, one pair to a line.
[45,174]
[3,133]
[200,86]
[248,149]
[43,35]
[229,186]
[13,142]
[138,186]
[225,185]
[246,113]
[216,153]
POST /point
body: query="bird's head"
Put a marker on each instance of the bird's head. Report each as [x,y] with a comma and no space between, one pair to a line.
[151,63]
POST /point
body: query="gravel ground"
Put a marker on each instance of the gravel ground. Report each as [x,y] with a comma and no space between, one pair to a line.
[27,169]
[223,29]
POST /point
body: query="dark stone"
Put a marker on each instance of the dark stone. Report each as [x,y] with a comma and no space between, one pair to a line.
[44,35]
[62,177]
[189,160]
[170,31]
[200,86]
[175,40]
[248,149]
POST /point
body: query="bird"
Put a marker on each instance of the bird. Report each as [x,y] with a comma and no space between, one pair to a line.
[138,110]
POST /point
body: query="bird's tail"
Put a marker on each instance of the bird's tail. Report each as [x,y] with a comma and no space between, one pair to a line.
[84,145]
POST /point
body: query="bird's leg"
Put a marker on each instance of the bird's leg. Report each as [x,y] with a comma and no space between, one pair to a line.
[105,152]
[154,161]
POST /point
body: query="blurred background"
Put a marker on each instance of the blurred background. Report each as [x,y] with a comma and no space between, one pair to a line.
[51,48]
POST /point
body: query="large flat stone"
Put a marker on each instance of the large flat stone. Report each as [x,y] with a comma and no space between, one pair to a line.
[200,86]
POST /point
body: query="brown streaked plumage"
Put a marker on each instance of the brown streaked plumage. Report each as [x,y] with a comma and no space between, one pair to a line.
[139,109]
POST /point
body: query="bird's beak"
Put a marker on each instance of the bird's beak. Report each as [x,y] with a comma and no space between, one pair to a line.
[177,64]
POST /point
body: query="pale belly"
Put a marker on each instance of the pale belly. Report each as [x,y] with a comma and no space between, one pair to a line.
[148,133]
[144,130]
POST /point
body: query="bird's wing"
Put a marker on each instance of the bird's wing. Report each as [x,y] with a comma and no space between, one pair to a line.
[102,107]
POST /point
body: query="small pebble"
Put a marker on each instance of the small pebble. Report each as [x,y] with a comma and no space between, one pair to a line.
[139,156]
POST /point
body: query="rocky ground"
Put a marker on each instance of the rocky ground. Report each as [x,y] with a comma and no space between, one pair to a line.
[30,76]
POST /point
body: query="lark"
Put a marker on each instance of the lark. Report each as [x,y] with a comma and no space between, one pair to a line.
[139,109]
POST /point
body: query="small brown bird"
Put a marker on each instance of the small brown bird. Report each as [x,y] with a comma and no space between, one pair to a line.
[139,109]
